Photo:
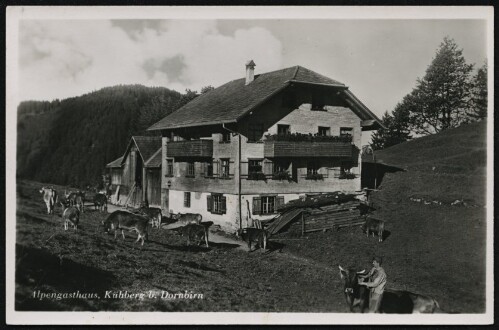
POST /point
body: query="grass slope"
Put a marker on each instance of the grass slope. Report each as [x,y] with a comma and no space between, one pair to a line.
[434,249]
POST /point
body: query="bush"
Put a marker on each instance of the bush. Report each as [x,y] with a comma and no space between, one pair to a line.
[314,176]
[257,176]
[282,175]
[346,175]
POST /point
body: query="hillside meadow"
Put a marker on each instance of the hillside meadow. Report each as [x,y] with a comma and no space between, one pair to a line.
[433,246]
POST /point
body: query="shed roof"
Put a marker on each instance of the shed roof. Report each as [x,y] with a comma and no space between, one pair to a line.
[147,146]
[115,163]
[231,101]
[155,160]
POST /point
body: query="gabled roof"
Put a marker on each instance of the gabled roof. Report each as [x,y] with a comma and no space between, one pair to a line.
[147,146]
[155,160]
[115,163]
[231,101]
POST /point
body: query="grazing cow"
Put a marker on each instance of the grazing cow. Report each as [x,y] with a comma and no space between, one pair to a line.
[70,215]
[100,202]
[50,198]
[121,220]
[374,226]
[196,232]
[393,301]
[187,218]
[80,200]
[153,213]
[254,235]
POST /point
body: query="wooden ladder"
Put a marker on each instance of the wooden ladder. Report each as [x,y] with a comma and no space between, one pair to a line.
[132,190]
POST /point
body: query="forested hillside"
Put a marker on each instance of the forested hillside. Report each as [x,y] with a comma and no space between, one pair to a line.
[70,141]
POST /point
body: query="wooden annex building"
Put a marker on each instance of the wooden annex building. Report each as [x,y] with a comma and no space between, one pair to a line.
[136,176]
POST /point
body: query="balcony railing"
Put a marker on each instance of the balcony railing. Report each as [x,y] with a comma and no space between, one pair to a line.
[307,145]
[191,148]
[272,149]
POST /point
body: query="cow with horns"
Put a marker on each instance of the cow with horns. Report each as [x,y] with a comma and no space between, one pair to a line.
[393,301]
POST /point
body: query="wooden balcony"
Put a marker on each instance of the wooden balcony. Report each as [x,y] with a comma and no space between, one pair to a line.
[192,148]
[274,149]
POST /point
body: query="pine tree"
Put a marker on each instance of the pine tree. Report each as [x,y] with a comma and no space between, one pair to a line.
[396,128]
[440,99]
[479,94]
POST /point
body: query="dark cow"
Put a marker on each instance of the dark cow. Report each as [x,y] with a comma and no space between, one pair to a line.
[195,232]
[70,197]
[122,220]
[153,213]
[80,200]
[374,226]
[70,215]
[187,218]
[254,235]
[393,301]
[100,202]
[355,294]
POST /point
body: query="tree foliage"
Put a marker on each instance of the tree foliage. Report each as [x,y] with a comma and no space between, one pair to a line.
[441,98]
[69,142]
[479,93]
[396,129]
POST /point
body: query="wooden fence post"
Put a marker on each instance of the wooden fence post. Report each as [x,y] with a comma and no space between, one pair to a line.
[302,225]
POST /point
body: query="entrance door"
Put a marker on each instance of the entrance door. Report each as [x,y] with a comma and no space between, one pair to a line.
[154,187]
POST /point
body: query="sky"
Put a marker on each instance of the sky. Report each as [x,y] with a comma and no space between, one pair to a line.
[379,59]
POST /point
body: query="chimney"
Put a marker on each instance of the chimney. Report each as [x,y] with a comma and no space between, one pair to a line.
[250,71]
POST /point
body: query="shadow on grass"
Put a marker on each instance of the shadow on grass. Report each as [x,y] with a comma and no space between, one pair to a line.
[194,265]
[39,220]
[39,269]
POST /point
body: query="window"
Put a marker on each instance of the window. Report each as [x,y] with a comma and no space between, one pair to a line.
[225,167]
[312,168]
[346,131]
[324,131]
[217,203]
[283,129]
[255,132]
[187,199]
[346,167]
[280,166]
[267,204]
[169,167]
[190,169]
[254,166]
[208,169]
[225,137]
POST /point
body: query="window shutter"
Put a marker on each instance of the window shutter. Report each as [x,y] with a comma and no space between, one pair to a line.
[216,168]
[257,205]
[267,167]
[208,199]
[279,201]
[231,168]
[223,205]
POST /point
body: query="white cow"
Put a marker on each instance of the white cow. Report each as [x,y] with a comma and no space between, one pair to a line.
[50,198]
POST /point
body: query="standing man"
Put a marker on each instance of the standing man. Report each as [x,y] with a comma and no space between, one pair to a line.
[376,284]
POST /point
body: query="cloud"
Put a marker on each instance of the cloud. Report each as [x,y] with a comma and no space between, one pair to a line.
[61,58]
